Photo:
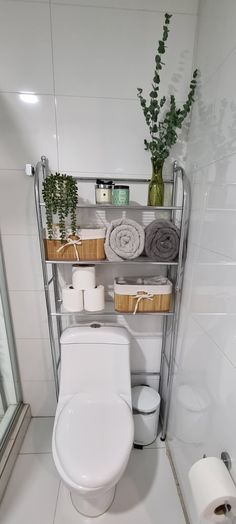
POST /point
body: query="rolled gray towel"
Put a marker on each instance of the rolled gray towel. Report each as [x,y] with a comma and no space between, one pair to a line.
[162,240]
[124,240]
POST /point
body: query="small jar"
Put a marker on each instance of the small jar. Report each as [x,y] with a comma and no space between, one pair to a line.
[120,195]
[103,191]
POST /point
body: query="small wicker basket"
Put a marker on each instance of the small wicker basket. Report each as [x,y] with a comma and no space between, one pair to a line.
[136,295]
[88,244]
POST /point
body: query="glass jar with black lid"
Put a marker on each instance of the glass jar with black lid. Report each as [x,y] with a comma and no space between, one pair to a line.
[103,191]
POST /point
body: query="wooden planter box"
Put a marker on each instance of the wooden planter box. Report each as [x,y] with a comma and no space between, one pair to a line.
[150,295]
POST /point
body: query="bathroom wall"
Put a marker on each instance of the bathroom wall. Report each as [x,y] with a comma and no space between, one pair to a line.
[83,61]
[203,411]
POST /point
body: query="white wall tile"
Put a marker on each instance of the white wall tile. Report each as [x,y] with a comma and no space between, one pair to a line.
[29,131]
[216,18]
[114,130]
[25,52]
[24,271]
[34,357]
[205,126]
[213,130]
[206,349]
[221,225]
[41,397]
[172,6]
[145,354]
[29,314]
[120,56]
[213,285]
[17,208]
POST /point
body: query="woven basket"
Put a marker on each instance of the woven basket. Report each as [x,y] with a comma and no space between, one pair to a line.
[75,248]
[130,297]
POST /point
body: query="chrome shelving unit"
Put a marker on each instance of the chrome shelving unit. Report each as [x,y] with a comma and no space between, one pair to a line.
[175,271]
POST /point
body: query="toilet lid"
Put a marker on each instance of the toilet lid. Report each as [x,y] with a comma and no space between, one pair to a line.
[93,438]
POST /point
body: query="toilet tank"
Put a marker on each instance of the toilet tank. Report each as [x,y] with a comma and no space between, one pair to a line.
[95,358]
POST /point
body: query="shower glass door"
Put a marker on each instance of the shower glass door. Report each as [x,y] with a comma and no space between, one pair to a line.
[10,389]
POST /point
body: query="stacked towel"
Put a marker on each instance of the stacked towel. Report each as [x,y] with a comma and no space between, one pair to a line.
[124,240]
[162,240]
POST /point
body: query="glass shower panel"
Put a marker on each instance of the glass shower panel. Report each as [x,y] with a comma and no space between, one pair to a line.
[10,390]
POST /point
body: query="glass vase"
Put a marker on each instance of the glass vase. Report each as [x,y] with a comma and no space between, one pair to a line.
[156,184]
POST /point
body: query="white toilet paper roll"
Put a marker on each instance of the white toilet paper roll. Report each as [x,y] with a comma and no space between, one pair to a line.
[72,299]
[83,277]
[213,489]
[94,299]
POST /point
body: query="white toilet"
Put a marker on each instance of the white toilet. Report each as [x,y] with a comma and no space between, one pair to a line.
[93,430]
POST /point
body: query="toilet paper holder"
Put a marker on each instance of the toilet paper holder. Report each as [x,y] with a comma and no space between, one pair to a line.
[225,457]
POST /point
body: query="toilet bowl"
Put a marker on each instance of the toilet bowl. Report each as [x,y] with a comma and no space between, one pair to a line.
[93,429]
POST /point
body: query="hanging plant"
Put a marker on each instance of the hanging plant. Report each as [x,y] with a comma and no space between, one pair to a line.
[60,194]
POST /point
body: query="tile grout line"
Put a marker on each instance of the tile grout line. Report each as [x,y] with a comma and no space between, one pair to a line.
[176,481]
[230,259]
[88,97]
[55,510]
[23,453]
[111,8]
[207,333]
[119,8]
[54,84]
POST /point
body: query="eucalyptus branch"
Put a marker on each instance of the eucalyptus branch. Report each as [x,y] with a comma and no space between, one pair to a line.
[163,127]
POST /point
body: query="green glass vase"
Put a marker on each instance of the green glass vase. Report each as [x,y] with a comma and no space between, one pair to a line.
[156,184]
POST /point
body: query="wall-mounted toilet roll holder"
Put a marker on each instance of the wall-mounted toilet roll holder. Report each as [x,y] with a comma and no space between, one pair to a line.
[225,457]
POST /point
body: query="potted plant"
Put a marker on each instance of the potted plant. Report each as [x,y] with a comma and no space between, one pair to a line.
[162,123]
[63,240]
[60,194]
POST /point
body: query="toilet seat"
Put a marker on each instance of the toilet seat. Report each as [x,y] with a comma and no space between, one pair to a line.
[93,436]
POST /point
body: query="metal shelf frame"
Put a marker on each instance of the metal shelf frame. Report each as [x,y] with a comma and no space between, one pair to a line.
[175,271]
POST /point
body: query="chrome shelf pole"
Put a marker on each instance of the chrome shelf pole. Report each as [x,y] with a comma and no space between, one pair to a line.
[177,296]
[42,166]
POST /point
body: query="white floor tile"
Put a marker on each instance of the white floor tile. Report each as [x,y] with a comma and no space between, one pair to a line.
[32,491]
[38,438]
[145,495]
[41,396]
[158,443]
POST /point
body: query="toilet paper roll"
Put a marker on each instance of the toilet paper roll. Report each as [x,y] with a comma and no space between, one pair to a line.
[213,489]
[94,299]
[83,277]
[72,299]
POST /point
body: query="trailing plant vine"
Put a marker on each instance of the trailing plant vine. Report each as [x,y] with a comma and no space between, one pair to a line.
[60,194]
[163,125]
